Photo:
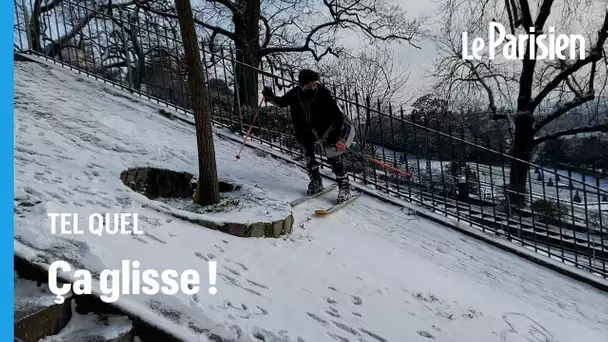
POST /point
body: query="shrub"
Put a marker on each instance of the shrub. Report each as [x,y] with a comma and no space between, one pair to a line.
[548,209]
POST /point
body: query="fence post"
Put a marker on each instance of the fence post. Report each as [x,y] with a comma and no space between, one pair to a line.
[26,23]
[128,60]
[236,90]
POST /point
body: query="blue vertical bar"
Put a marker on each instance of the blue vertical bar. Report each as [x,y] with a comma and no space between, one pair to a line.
[6,171]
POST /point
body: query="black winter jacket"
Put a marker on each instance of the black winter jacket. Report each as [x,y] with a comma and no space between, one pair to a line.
[316,116]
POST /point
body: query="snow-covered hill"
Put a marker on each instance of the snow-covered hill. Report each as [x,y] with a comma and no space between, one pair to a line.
[369,273]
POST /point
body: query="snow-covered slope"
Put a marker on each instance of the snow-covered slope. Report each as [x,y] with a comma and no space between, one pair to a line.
[369,273]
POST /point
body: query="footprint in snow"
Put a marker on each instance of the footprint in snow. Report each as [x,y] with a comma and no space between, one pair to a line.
[373,335]
[338,337]
[232,281]
[200,256]
[152,237]
[124,201]
[333,312]
[242,266]
[426,334]
[103,205]
[245,268]
[242,310]
[318,319]
[525,327]
[140,239]
[252,291]
[346,328]
[262,286]
[357,300]
[233,271]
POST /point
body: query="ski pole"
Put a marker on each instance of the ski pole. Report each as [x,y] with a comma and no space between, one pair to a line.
[409,175]
[257,111]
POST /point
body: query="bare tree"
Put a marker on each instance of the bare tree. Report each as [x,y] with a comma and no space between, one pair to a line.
[376,76]
[270,28]
[112,38]
[273,30]
[91,35]
[377,73]
[75,18]
[537,91]
[207,189]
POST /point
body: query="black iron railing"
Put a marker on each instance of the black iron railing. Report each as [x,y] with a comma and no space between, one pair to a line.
[456,172]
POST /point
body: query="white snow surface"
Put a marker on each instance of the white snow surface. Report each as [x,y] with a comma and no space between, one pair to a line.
[370,272]
[29,297]
[91,327]
[245,205]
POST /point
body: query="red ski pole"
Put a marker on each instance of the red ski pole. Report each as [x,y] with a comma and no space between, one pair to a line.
[385,165]
[257,111]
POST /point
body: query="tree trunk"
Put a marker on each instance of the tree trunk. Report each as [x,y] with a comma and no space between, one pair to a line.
[523,146]
[247,78]
[248,51]
[523,142]
[207,190]
[34,28]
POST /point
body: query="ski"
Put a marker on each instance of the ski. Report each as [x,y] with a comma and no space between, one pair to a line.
[306,198]
[336,207]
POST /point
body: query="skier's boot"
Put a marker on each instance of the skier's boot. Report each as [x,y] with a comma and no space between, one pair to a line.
[316,183]
[343,189]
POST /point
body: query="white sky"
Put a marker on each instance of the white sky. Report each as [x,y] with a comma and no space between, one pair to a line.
[419,60]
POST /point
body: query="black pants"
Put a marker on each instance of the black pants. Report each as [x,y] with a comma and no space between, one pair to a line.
[312,165]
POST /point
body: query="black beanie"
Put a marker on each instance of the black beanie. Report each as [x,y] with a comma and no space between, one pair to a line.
[307,76]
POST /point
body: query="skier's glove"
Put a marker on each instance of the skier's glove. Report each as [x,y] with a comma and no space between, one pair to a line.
[268,93]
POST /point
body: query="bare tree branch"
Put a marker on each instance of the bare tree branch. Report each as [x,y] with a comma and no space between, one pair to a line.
[305,47]
[594,55]
[573,131]
[561,110]
[348,15]
[55,46]
[526,14]
[511,15]
[49,6]
[215,29]
[543,14]
[230,5]
[489,91]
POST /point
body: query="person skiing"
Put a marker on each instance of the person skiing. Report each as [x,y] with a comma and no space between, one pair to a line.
[317,121]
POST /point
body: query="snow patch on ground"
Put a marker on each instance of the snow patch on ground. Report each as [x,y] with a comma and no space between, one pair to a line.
[370,272]
[30,298]
[246,205]
[92,327]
